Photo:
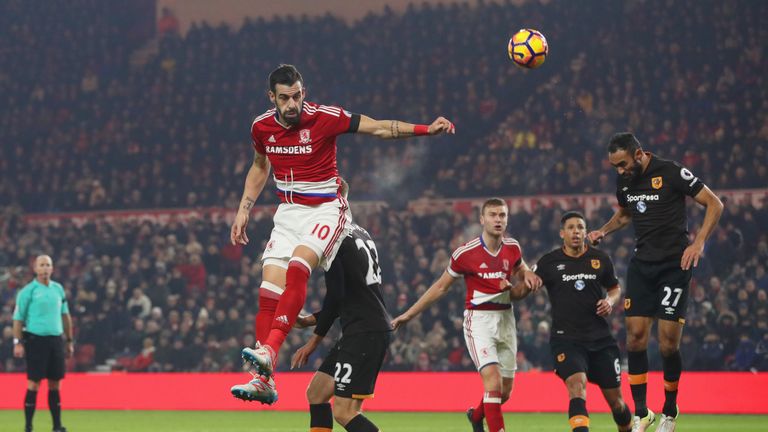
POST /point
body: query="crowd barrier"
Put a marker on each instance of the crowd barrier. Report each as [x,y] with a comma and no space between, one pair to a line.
[700,392]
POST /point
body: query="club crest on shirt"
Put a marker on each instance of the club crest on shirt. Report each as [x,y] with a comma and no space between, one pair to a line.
[627,303]
[304,137]
[657,182]
[561,357]
[595,264]
[505,263]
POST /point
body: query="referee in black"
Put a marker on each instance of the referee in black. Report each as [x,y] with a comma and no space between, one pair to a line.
[39,319]
[651,193]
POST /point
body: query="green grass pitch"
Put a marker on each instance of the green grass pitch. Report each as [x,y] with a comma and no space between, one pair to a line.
[239,421]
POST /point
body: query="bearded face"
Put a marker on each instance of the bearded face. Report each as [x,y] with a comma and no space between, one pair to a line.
[288,102]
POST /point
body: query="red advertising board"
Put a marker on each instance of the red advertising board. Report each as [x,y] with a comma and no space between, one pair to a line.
[700,392]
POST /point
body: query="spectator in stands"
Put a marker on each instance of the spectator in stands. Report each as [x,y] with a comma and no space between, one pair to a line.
[119,137]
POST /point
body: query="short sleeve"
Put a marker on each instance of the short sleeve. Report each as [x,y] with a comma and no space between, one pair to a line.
[455,267]
[621,198]
[685,181]
[608,278]
[64,302]
[257,144]
[336,120]
[22,304]
[519,260]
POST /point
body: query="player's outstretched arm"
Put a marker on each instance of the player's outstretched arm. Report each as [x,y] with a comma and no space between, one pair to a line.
[254,184]
[394,129]
[433,294]
[619,220]
[714,207]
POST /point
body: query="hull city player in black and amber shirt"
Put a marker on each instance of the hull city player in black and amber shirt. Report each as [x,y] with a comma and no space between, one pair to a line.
[350,369]
[583,288]
[651,193]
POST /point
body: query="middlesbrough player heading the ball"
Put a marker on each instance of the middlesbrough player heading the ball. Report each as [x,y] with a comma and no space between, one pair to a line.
[297,139]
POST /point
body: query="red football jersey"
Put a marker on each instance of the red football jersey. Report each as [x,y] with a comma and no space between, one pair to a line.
[303,157]
[484,271]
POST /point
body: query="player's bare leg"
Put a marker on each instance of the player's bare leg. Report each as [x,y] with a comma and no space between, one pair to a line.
[670,334]
[319,394]
[300,266]
[578,417]
[506,388]
[638,330]
[348,412]
[621,414]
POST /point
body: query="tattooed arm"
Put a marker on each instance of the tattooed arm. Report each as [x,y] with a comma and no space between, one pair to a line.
[394,129]
[254,184]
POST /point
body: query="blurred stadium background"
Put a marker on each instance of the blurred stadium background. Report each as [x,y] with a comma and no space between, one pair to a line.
[124,129]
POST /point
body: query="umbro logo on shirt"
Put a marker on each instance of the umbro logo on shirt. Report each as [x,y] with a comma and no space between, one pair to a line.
[272,139]
[561,267]
[483,265]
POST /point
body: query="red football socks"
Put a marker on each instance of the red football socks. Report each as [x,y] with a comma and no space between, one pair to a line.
[267,305]
[290,303]
[479,413]
[492,408]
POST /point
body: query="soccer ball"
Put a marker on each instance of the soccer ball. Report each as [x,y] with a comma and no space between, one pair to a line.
[528,48]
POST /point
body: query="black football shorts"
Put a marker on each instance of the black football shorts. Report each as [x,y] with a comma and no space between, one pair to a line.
[45,357]
[657,289]
[355,362]
[601,362]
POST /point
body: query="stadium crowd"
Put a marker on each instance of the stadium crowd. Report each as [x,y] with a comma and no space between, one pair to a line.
[175,296]
[84,128]
[103,132]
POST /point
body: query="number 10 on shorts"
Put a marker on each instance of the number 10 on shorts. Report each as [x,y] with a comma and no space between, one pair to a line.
[321,231]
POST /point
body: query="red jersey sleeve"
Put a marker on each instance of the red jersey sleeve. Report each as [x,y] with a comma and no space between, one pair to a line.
[257,144]
[455,267]
[334,120]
